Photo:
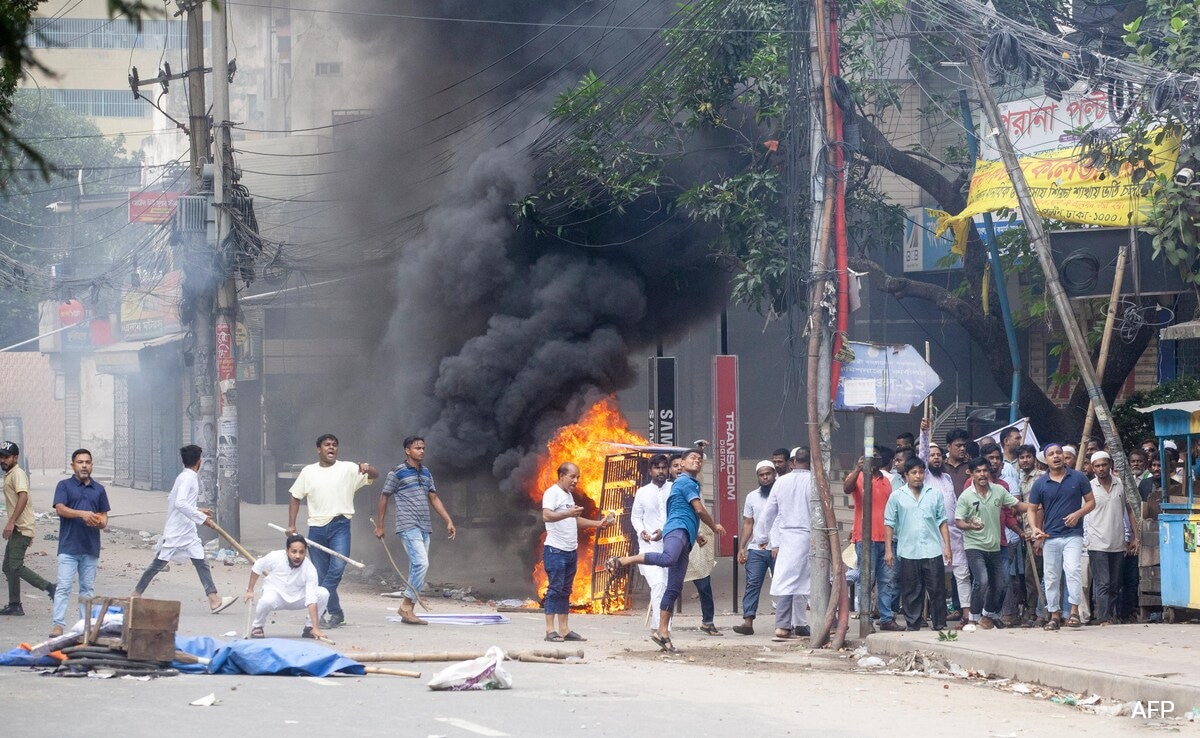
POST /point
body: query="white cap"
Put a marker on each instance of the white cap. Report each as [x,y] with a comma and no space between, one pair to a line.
[794,452]
[1170,444]
[1100,455]
[763,465]
[1069,449]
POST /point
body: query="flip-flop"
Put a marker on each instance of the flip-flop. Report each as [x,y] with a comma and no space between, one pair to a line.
[573,636]
[225,603]
[258,633]
[553,637]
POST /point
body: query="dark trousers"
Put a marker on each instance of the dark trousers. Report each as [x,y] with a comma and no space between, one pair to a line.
[1106,582]
[157,565]
[1127,602]
[708,608]
[920,578]
[988,581]
[15,569]
[674,558]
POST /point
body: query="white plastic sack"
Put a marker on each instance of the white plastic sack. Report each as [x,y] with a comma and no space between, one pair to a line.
[485,672]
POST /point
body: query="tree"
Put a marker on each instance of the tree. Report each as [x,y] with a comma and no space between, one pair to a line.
[33,238]
[636,137]
[16,57]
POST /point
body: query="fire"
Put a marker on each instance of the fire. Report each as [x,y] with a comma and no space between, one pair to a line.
[583,444]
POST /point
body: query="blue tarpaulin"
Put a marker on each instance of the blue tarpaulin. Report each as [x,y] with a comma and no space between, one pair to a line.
[21,657]
[279,656]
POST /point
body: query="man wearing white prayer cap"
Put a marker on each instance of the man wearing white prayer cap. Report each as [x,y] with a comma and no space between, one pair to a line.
[755,550]
[1105,537]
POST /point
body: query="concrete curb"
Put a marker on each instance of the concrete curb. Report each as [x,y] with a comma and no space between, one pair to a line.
[1079,678]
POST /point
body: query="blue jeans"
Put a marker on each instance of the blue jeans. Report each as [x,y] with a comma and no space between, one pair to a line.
[1063,560]
[416,545]
[886,583]
[560,568]
[758,561]
[336,535]
[673,558]
[68,566]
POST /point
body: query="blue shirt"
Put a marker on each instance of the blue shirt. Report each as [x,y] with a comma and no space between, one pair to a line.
[74,536]
[917,522]
[410,488]
[680,515]
[1060,499]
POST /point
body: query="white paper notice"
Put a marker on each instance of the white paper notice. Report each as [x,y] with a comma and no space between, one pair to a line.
[858,392]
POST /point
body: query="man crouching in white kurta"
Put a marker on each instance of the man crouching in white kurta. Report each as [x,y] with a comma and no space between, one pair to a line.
[648,514]
[289,583]
[180,541]
[786,514]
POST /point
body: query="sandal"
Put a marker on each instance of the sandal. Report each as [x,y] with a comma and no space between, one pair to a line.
[573,636]
[1073,622]
[1052,624]
[710,629]
[258,633]
[661,642]
[553,637]
[613,565]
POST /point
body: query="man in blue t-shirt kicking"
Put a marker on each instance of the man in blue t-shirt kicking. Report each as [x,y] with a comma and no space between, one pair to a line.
[685,510]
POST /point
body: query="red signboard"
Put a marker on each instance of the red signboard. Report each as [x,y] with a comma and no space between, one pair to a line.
[725,447]
[152,207]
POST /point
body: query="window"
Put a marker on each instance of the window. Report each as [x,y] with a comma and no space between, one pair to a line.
[328,69]
[102,33]
[100,103]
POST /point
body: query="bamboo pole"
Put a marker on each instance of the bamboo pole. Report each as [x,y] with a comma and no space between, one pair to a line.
[1109,319]
[232,541]
[434,656]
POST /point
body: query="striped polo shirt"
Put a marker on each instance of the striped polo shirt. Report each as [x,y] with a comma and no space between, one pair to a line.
[410,488]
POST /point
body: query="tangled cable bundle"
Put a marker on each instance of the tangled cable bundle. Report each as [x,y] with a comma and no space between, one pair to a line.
[1005,55]
[83,659]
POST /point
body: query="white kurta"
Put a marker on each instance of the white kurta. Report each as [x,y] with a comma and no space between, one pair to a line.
[649,514]
[180,541]
[787,509]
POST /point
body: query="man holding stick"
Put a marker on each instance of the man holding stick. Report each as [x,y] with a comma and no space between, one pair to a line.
[180,540]
[329,486]
[411,484]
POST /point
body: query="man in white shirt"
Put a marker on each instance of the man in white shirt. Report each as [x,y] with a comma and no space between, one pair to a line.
[755,553]
[290,583]
[647,516]
[179,540]
[1105,537]
[329,486]
[789,503]
[560,555]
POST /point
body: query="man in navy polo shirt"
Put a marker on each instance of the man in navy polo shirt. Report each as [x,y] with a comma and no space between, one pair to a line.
[82,507]
[1061,498]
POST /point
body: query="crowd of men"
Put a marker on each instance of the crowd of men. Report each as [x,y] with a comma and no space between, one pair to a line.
[304,575]
[1024,538]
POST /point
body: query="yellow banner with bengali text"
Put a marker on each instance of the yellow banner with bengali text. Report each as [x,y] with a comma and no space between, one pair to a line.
[1065,189]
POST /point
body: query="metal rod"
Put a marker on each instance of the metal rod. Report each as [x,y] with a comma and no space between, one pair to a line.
[735,573]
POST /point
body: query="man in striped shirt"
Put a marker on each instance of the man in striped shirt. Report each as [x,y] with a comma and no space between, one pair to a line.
[411,485]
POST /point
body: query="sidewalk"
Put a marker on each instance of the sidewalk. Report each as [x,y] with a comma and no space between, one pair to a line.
[1126,662]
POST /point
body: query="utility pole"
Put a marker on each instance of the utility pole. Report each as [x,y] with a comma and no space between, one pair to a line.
[1039,240]
[228,510]
[200,264]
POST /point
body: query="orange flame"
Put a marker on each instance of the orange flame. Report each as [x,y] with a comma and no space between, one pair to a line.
[583,444]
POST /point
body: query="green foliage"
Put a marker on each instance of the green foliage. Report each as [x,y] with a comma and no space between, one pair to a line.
[1134,426]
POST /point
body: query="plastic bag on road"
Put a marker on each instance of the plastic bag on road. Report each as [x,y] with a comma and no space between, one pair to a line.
[485,672]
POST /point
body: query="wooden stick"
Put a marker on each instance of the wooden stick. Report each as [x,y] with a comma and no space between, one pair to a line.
[399,573]
[249,618]
[392,672]
[410,656]
[319,547]
[131,514]
[232,541]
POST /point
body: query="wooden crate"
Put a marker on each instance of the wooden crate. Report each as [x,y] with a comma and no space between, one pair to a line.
[1148,539]
[149,629]
[1150,578]
[1149,599]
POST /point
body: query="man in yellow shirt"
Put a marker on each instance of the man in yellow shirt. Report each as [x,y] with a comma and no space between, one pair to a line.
[18,530]
[329,486]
